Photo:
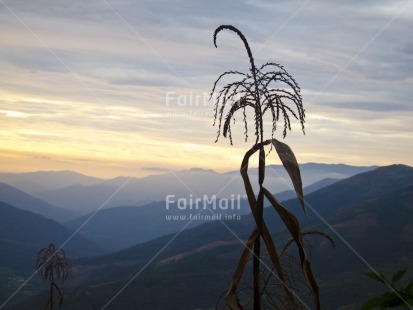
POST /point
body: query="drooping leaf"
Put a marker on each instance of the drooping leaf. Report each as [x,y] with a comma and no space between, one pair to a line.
[275,258]
[387,300]
[372,303]
[293,227]
[290,164]
[399,274]
[376,276]
[409,289]
[232,298]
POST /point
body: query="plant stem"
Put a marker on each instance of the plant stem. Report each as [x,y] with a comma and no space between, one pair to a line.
[257,244]
[256,275]
[51,293]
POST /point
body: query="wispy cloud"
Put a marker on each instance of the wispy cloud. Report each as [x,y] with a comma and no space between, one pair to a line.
[97,83]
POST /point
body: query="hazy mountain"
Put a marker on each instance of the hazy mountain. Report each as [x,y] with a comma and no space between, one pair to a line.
[195,182]
[81,199]
[128,225]
[33,182]
[23,234]
[132,225]
[372,212]
[21,200]
[311,171]
[291,194]
[367,185]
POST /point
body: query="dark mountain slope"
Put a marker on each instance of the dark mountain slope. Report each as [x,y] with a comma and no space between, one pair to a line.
[290,194]
[21,200]
[379,231]
[371,184]
[23,234]
[132,225]
[122,227]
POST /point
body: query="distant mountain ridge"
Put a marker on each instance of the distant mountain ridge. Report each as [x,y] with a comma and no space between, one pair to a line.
[132,225]
[366,185]
[129,225]
[195,181]
[32,182]
[23,234]
[24,201]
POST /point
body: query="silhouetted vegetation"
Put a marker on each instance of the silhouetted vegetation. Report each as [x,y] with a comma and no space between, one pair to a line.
[271,89]
[271,286]
[398,296]
[53,265]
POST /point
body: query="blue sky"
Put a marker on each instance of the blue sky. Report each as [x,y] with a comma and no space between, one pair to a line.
[119,87]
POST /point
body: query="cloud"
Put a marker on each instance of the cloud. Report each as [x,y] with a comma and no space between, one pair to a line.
[90,76]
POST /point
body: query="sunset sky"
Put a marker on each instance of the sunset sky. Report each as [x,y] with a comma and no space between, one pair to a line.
[110,88]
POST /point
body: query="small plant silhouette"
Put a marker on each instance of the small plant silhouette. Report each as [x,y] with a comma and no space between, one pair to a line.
[397,296]
[271,89]
[53,264]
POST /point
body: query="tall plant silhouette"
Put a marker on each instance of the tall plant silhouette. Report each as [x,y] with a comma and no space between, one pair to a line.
[53,264]
[268,89]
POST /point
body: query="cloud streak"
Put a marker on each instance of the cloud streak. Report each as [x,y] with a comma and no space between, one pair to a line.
[97,75]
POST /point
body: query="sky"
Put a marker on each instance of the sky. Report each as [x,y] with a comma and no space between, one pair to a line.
[109,88]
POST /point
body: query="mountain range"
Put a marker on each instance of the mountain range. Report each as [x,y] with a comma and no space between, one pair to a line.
[131,225]
[84,195]
[24,201]
[33,182]
[367,215]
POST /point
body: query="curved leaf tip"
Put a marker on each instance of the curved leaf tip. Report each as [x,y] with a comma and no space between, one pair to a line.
[290,164]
